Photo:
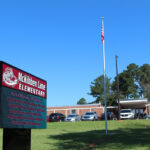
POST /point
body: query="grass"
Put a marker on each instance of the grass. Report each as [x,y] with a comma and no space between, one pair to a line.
[122,135]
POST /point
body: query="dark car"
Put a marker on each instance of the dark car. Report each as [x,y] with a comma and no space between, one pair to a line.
[110,116]
[146,116]
[56,117]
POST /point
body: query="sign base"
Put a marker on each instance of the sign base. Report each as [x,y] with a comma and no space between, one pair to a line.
[16,139]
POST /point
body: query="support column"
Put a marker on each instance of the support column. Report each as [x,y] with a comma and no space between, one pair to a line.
[16,139]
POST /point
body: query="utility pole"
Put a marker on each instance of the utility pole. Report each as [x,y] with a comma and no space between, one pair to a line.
[117,83]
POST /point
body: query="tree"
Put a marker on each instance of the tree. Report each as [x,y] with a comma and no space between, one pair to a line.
[128,84]
[97,91]
[144,80]
[82,101]
[134,82]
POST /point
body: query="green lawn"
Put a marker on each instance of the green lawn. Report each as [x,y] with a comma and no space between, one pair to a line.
[122,135]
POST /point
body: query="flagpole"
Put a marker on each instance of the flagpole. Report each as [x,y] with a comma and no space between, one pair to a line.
[105,97]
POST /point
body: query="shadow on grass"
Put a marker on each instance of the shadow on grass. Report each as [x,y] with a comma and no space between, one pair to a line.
[96,139]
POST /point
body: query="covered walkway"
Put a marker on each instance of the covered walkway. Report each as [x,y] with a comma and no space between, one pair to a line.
[137,104]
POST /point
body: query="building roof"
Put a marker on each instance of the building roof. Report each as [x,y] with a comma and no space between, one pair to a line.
[76,106]
[134,104]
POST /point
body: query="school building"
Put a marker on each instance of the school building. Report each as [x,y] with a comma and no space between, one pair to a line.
[140,105]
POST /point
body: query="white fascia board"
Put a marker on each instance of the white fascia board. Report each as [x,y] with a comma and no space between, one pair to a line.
[73,108]
[133,101]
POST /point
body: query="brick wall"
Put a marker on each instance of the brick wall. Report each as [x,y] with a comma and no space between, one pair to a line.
[148,109]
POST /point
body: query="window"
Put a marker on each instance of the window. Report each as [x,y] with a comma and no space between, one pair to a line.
[73,111]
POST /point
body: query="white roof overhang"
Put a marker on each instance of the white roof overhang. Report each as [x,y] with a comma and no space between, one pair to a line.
[134,104]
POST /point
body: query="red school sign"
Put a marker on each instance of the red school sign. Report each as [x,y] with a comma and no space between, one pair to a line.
[19,80]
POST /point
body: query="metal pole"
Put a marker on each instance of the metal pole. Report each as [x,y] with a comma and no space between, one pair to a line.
[105,98]
[117,84]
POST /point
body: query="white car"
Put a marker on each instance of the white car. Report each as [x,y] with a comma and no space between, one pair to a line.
[72,118]
[126,114]
[90,116]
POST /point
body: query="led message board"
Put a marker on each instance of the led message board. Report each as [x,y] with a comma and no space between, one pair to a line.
[22,99]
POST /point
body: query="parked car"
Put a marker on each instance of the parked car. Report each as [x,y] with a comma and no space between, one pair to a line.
[139,116]
[147,116]
[126,114]
[47,118]
[89,116]
[72,118]
[110,116]
[56,117]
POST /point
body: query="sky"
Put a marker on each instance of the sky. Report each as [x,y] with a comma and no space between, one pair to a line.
[60,41]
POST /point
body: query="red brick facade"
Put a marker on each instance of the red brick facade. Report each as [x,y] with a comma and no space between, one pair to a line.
[148,109]
[78,109]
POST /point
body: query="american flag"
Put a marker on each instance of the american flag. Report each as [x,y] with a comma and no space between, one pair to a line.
[102,33]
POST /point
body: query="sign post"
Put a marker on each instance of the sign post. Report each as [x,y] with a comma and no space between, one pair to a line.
[16,139]
[22,106]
